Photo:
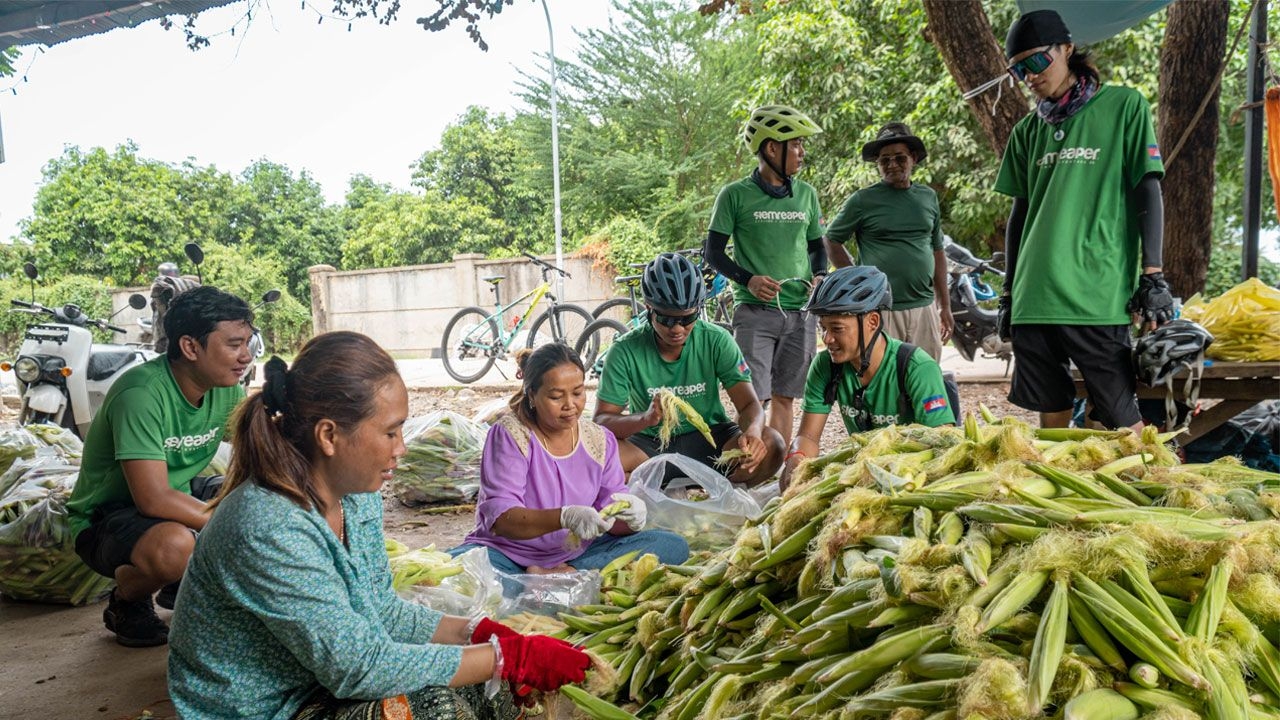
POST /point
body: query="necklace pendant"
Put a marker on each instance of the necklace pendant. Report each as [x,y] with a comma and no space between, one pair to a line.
[1059,134]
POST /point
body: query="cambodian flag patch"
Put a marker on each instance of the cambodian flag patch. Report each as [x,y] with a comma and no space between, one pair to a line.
[743,367]
[1153,152]
[935,403]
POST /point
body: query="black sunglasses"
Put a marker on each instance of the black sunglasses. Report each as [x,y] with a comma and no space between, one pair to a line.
[1033,64]
[673,320]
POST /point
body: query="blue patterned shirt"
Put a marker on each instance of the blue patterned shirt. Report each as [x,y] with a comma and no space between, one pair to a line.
[272,607]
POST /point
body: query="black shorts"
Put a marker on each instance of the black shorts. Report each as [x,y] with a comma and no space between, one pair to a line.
[691,444]
[116,528]
[1042,370]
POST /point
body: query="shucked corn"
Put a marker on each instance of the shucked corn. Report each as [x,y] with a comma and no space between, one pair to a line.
[1007,581]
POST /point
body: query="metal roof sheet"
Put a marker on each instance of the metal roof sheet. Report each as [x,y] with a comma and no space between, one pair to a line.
[49,22]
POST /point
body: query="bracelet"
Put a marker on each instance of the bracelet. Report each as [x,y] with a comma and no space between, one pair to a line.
[794,453]
[494,684]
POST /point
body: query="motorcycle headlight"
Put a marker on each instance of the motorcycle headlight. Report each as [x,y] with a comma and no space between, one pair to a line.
[27,369]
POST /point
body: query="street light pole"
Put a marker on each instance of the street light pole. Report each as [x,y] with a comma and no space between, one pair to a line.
[555,153]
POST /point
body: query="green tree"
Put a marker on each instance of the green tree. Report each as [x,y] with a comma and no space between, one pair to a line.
[388,228]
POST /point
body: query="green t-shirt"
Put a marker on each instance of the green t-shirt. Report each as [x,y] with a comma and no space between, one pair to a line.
[880,400]
[634,371]
[1079,258]
[146,417]
[897,231]
[770,235]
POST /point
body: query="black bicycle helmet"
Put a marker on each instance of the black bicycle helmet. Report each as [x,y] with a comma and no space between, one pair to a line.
[672,282]
[1158,355]
[852,290]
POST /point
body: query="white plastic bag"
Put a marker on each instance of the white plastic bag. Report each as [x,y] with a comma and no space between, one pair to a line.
[709,523]
[442,460]
[476,592]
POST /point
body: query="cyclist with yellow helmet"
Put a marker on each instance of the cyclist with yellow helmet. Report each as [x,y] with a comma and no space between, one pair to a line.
[775,223]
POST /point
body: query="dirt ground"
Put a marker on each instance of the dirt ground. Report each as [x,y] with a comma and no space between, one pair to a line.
[59,662]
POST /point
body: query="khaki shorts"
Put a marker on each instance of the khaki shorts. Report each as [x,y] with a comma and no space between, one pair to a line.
[918,326]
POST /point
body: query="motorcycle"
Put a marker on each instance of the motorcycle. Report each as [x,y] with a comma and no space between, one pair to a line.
[975,326]
[63,375]
[257,348]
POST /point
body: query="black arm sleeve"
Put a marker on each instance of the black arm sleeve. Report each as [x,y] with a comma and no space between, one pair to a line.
[714,251]
[1012,238]
[818,257]
[1151,220]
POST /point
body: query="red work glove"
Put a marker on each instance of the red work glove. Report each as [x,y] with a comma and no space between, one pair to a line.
[487,629]
[541,662]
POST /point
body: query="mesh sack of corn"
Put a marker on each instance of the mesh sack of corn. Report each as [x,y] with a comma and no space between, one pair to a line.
[441,463]
[1245,322]
[985,571]
[37,553]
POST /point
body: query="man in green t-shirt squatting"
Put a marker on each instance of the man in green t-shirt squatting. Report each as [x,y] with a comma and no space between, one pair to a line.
[135,509]
[778,256]
[859,368]
[678,352]
[898,228]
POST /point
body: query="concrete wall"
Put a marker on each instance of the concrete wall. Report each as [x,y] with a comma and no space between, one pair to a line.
[405,309]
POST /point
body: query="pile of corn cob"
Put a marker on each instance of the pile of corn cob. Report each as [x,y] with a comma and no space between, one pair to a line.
[987,571]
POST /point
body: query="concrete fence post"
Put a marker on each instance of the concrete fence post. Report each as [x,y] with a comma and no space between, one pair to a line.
[464,269]
[320,297]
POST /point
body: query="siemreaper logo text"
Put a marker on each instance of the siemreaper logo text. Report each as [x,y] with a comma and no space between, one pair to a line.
[1074,155]
[781,215]
[191,441]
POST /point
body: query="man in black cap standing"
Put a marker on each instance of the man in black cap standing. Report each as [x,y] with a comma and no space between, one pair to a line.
[898,229]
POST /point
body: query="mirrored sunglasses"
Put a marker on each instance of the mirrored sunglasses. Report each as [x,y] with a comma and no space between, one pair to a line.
[673,320]
[1033,64]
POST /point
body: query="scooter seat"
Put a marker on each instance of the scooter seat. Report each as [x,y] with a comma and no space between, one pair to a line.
[103,364]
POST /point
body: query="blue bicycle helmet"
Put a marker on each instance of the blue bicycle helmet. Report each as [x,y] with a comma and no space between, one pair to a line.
[852,291]
[672,282]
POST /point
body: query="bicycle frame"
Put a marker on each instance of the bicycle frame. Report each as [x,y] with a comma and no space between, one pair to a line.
[505,336]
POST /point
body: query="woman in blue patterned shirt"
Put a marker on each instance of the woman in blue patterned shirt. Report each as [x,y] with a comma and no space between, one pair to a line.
[286,609]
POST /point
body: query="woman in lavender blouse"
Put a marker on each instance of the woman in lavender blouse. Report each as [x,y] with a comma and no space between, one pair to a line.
[546,472]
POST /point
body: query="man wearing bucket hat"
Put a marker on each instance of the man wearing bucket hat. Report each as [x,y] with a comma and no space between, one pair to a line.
[778,256]
[1083,244]
[897,226]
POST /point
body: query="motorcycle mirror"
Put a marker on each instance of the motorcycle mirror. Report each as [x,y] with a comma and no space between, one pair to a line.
[29,269]
[997,258]
[137,301]
[271,296]
[196,255]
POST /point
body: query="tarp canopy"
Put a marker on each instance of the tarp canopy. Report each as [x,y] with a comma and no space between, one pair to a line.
[1092,20]
[49,22]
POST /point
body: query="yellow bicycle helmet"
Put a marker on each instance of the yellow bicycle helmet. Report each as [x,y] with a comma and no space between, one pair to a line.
[777,122]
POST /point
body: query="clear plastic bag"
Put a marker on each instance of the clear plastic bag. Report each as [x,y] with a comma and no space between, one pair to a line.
[548,594]
[709,523]
[37,553]
[476,592]
[442,460]
[488,413]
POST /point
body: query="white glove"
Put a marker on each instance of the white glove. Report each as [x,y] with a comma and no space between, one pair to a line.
[583,521]
[633,516]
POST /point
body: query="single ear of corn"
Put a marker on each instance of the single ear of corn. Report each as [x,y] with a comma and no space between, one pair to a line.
[1100,704]
[1155,699]
[1022,590]
[1145,674]
[1046,651]
[887,651]
[1202,623]
[942,665]
[594,707]
[1140,583]
[975,555]
[674,408]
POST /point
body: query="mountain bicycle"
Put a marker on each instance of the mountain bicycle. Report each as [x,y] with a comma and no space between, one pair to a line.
[475,339]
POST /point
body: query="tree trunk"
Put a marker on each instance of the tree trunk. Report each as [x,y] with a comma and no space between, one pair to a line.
[1194,50]
[963,35]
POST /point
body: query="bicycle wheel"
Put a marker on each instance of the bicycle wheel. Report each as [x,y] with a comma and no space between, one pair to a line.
[595,342]
[617,309]
[563,323]
[469,343]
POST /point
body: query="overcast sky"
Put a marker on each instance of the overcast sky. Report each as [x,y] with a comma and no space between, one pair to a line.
[305,94]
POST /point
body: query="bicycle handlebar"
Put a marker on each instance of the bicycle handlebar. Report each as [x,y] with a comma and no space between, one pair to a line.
[24,303]
[546,266]
[115,328]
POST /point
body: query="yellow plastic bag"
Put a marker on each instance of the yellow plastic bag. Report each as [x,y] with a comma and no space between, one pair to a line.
[1245,322]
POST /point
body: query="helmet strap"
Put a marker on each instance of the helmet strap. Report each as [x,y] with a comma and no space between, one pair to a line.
[777,191]
[864,350]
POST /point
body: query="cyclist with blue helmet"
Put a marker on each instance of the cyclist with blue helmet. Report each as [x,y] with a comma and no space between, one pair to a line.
[778,254]
[862,369]
[681,353]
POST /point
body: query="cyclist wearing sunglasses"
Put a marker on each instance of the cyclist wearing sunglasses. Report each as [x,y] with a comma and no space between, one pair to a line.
[680,352]
[1083,243]
[897,227]
[776,225]
[876,380]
